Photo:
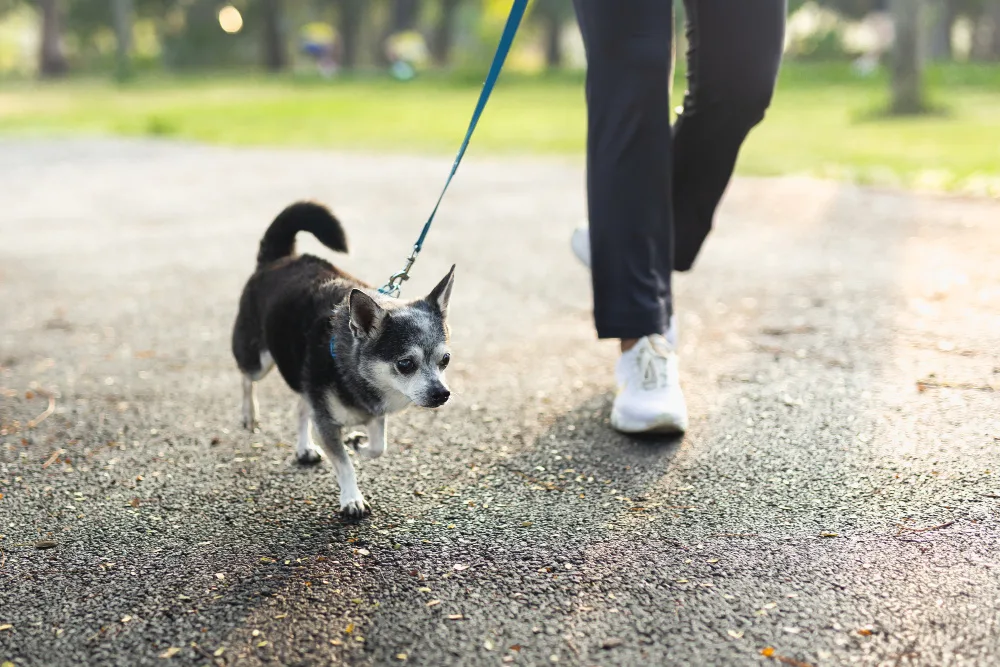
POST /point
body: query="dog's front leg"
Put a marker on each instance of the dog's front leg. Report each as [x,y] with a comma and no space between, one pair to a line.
[305,451]
[352,503]
[377,442]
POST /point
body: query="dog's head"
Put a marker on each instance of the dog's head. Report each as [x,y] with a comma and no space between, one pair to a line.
[404,345]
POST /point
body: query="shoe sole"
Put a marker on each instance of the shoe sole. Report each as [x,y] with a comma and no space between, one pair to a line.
[665,427]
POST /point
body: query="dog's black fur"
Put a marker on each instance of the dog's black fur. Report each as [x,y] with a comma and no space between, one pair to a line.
[335,342]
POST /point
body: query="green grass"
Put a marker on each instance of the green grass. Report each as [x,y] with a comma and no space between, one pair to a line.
[824,120]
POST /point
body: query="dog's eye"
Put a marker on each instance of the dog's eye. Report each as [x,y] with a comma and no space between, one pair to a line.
[406,366]
[445,360]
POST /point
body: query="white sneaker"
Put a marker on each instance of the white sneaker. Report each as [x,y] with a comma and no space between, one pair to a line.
[649,397]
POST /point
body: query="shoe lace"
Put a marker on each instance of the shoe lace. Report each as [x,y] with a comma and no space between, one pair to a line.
[652,365]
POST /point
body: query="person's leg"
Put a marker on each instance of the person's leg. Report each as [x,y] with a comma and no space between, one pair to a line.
[734,49]
[629,163]
[629,158]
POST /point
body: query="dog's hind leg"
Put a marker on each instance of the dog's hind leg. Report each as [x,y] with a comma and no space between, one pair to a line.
[377,441]
[251,409]
[305,451]
[352,503]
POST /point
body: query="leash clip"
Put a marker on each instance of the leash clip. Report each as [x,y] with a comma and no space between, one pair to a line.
[396,280]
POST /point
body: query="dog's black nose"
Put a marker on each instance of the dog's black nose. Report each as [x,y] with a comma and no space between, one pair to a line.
[439,397]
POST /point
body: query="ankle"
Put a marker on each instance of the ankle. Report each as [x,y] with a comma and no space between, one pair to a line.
[628,343]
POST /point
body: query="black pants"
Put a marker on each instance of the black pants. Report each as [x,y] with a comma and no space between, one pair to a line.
[652,189]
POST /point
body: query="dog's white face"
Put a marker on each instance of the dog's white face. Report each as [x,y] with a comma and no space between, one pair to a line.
[404,347]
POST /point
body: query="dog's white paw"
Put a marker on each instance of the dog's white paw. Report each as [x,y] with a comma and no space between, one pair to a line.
[251,424]
[308,455]
[353,505]
[356,440]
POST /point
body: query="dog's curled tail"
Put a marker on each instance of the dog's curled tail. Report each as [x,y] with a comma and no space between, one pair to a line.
[303,216]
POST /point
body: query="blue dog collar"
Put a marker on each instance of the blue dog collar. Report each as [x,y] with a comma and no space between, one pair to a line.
[333,349]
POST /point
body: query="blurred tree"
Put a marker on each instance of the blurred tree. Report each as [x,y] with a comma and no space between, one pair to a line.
[351,16]
[993,14]
[907,68]
[51,57]
[404,15]
[123,10]
[274,41]
[943,15]
[553,15]
[443,36]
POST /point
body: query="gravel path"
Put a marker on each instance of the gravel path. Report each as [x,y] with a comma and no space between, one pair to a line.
[837,500]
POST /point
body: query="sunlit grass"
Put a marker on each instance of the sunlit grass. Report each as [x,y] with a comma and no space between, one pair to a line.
[824,120]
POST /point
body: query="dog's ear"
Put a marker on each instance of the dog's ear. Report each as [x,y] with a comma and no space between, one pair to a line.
[366,314]
[441,295]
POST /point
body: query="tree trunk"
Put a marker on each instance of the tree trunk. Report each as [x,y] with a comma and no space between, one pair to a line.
[942,20]
[351,15]
[51,59]
[993,12]
[553,40]
[907,68]
[275,47]
[123,34]
[443,36]
[404,15]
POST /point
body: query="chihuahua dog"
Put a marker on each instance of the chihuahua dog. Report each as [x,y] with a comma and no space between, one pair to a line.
[351,354]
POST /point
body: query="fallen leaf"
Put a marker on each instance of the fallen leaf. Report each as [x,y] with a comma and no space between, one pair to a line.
[515,647]
[219,651]
[255,633]
[611,643]
[767,652]
[261,644]
[126,619]
[526,524]
[827,534]
[712,560]
[455,617]
[735,634]
[433,603]
[459,567]
[5,626]
[46,544]
[865,632]
[170,652]
[488,645]
[423,589]
[349,629]
[336,642]
[364,552]
[401,656]
[220,576]
[134,502]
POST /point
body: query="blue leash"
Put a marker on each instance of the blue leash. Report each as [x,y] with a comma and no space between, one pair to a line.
[392,288]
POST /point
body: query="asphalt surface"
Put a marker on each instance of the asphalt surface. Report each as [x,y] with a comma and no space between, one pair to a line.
[837,500]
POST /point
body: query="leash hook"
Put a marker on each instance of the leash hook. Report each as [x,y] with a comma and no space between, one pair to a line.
[396,280]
